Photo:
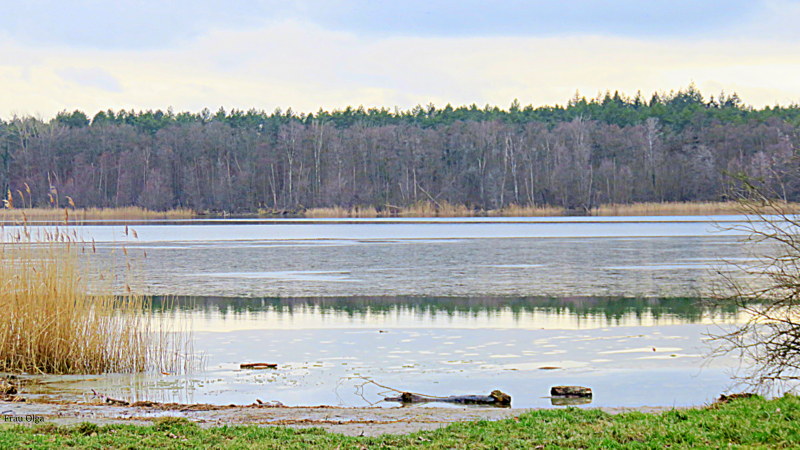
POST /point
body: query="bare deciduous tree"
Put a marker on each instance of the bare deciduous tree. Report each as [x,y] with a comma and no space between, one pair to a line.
[766,290]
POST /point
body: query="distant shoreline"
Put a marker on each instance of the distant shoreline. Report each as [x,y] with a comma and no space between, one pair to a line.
[420,210]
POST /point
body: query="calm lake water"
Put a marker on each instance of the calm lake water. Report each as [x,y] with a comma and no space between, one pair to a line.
[437,306]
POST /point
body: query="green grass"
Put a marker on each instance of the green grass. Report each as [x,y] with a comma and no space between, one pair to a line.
[749,423]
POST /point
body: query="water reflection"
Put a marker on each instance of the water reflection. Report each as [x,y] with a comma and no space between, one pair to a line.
[570,401]
[326,347]
[227,314]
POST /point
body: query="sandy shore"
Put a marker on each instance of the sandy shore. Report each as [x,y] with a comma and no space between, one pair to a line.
[349,421]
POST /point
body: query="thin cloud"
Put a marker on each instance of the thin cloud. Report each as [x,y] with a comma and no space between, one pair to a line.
[92,77]
[304,65]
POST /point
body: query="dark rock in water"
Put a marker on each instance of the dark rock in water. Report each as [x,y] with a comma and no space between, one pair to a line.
[495,398]
[570,391]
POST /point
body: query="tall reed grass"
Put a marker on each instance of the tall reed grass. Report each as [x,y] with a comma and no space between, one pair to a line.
[675,209]
[439,209]
[51,324]
[79,215]
[515,210]
[338,212]
[444,209]
[333,212]
[421,209]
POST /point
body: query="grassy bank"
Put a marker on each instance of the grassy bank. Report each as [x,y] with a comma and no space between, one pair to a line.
[752,422]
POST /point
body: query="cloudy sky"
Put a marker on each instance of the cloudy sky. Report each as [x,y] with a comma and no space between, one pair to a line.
[144,54]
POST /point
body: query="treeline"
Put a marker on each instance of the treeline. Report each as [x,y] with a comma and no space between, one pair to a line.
[612,149]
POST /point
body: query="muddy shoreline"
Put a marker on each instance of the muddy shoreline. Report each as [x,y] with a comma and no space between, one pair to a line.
[349,421]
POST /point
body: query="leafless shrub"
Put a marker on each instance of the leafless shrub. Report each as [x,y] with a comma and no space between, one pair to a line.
[766,289]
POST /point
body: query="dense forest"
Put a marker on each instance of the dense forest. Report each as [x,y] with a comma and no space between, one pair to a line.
[675,146]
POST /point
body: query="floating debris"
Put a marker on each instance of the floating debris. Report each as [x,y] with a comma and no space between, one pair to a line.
[258,366]
[495,398]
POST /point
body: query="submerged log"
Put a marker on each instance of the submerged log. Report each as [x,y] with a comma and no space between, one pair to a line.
[570,391]
[258,366]
[495,398]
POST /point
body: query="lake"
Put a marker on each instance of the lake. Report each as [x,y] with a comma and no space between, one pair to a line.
[436,306]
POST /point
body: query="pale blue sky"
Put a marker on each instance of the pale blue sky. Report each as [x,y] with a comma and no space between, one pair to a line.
[138,23]
[308,54]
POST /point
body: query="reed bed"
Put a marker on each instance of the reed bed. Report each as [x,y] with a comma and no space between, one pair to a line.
[327,213]
[515,210]
[338,212]
[50,323]
[79,215]
[439,209]
[420,209]
[364,212]
[445,209]
[675,209]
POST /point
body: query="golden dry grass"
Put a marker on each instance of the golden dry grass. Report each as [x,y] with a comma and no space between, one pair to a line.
[445,209]
[363,212]
[339,212]
[335,212]
[673,209]
[440,209]
[327,213]
[514,210]
[80,215]
[50,324]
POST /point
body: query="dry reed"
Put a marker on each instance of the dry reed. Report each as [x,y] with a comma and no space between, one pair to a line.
[327,213]
[673,209]
[51,324]
[80,215]
[445,209]
[439,209]
[340,212]
[515,210]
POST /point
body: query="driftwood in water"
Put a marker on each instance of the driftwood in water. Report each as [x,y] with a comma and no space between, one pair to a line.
[109,400]
[258,366]
[570,391]
[115,402]
[496,398]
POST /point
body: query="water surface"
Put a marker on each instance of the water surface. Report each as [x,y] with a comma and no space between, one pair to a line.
[327,348]
[436,306]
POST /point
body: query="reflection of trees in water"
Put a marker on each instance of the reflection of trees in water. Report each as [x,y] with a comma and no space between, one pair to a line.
[612,308]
